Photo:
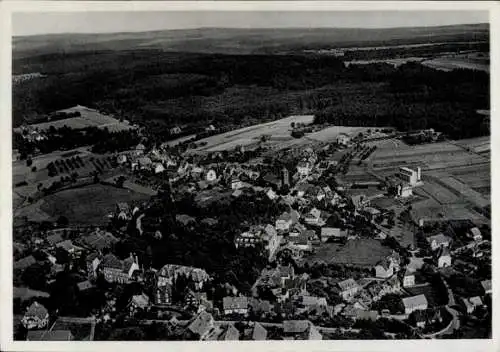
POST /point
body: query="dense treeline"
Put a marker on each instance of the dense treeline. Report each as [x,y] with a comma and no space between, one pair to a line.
[196,89]
[65,138]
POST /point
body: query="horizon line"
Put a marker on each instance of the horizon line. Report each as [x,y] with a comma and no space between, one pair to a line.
[246,28]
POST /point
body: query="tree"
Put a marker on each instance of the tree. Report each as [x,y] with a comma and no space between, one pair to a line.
[35,276]
[62,221]
[29,161]
[33,169]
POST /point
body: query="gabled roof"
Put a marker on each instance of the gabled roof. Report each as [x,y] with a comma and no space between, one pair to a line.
[486,285]
[142,301]
[230,334]
[84,285]
[259,333]
[296,326]
[201,324]
[439,238]
[111,261]
[54,239]
[414,301]
[347,284]
[235,302]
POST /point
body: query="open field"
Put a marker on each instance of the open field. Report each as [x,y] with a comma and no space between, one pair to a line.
[430,209]
[252,134]
[477,177]
[330,134]
[85,205]
[362,252]
[451,63]
[438,192]
[429,156]
[478,145]
[89,117]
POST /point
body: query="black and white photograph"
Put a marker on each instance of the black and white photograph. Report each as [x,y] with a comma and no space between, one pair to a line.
[248,175]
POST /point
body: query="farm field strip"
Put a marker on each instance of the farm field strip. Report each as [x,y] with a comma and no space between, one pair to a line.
[466,191]
[439,193]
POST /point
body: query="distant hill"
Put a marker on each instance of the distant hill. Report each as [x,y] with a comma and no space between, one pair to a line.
[245,41]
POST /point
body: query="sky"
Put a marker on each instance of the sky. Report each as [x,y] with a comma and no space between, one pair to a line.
[34,23]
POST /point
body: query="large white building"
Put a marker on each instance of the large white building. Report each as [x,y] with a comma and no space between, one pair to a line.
[410,176]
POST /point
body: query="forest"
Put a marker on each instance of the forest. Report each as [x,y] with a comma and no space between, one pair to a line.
[168,88]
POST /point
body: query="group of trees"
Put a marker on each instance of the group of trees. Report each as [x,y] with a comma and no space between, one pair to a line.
[224,89]
[65,138]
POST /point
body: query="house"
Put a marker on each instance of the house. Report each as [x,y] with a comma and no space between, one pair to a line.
[409,278]
[121,159]
[304,168]
[201,325]
[476,302]
[272,180]
[313,217]
[377,289]
[236,183]
[438,241]
[468,306]
[362,314]
[255,333]
[486,286]
[384,269]
[52,335]
[210,128]
[84,286]
[163,294]
[410,176]
[443,257]
[122,211]
[139,149]
[175,130]
[404,190]
[300,330]
[36,316]
[332,233]
[69,248]
[271,194]
[55,238]
[169,273]
[210,175]
[197,300]
[144,163]
[235,305]
[348,288]
[475,234]
[414,303]
[273,242]
[100,240]
[284,222]
[158,168]
[343,139]
[260,307]
[248,239]
[303,188]
[116,270]
[138,303]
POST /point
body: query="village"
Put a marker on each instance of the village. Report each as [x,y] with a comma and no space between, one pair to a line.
[341,258]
